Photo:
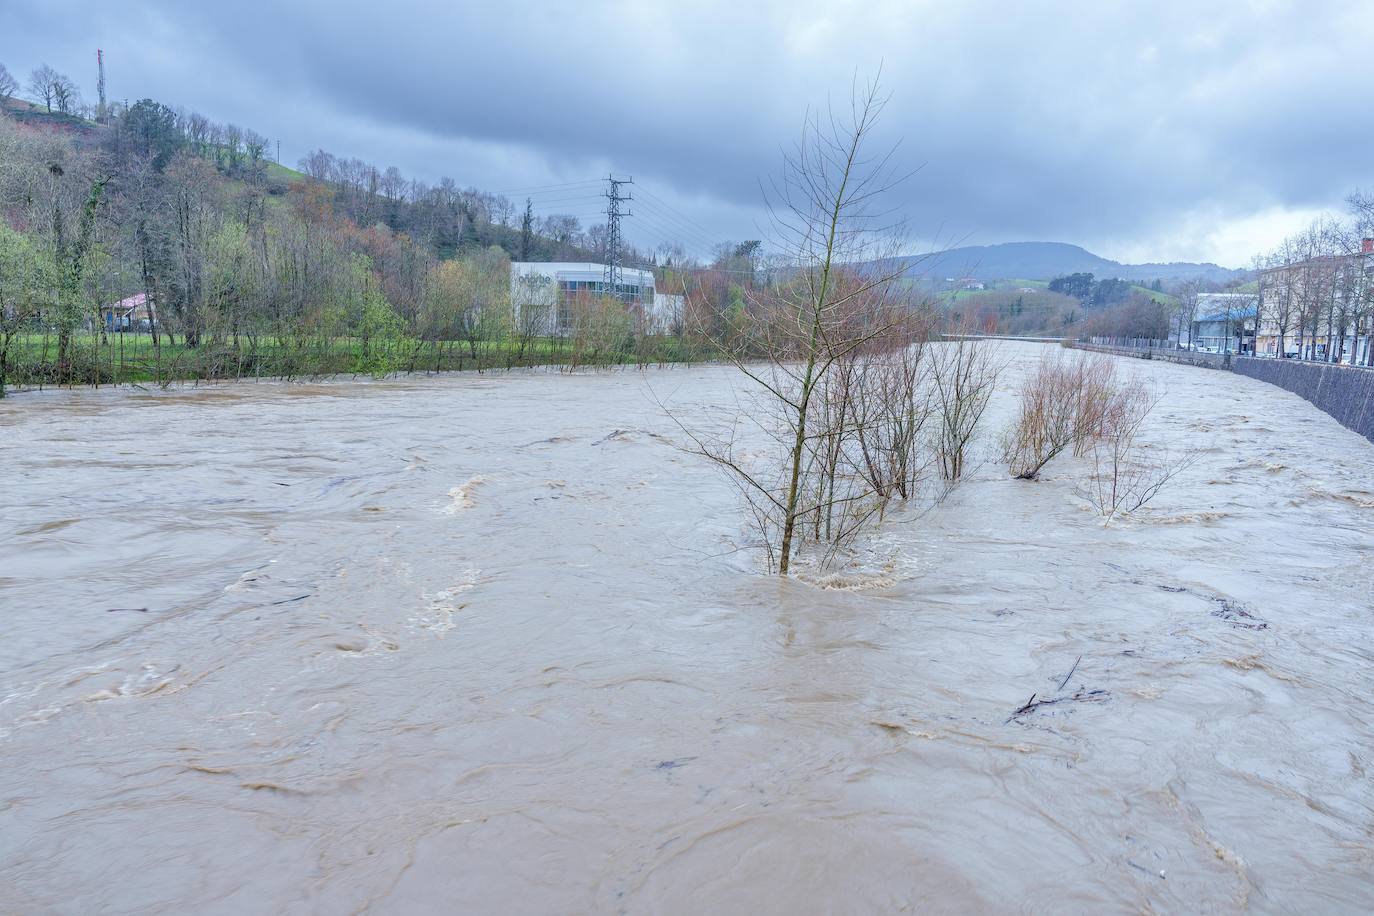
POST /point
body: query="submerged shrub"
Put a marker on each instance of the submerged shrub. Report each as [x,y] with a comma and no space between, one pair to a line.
[1065,404]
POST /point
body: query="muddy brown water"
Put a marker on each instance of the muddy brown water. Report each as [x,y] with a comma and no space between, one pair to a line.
[481,644]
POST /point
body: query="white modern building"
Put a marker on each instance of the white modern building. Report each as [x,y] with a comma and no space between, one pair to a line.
[543,295]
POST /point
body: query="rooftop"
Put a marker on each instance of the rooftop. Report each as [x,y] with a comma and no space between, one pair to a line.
[1233,314]
[580,270]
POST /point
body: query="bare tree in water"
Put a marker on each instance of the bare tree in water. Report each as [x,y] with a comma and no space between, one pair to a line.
[1127,470]
[963,375]
[1066,403]
[830,348]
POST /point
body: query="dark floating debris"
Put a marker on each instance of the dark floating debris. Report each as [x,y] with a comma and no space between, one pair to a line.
[613,434]
[1081,696]
[1234,612]
[1064,683]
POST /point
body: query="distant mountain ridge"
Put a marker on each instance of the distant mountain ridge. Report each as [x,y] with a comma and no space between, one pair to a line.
[1047,260]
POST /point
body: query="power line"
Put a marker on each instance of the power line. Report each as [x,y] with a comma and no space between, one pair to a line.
[546,187]
[554,201]
[667,233]
[668,211]
[683,228]
[683,216]
[679,229]
[565,192]
[676,232]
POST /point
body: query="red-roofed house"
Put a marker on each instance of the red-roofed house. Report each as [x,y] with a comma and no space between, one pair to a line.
[135,313]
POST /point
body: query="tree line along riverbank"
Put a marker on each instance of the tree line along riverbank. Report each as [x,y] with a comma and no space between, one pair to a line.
[95,360]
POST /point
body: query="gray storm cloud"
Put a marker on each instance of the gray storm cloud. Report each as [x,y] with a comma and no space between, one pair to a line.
[1159,131]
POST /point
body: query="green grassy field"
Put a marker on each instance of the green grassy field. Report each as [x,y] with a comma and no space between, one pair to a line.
[282,173]
[1161,298]
[994,287]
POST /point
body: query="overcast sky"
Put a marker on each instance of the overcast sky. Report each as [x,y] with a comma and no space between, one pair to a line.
[1166,131]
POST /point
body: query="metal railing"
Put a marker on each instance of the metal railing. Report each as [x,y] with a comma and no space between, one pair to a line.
[1136,343]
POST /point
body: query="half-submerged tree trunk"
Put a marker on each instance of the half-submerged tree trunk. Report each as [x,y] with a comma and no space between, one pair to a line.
[789,336]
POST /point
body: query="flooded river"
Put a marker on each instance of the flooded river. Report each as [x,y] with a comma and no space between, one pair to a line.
[485,644]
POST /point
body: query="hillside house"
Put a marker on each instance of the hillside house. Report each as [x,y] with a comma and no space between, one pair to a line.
[133,313]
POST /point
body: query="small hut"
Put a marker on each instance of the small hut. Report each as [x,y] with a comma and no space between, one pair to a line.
[134,313]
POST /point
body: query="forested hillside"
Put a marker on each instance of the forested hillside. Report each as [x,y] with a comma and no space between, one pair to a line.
[247,267]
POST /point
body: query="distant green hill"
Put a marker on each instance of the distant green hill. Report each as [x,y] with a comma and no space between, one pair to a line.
[1046,260]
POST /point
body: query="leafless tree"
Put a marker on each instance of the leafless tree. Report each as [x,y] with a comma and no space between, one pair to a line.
[319,165]
[393,185]
[232,145]
[502,211]
[1260,303]
[8,84]
[1315,282]
[197,132]
[255,146]
[65,95]
[597,326]
[533,300]
[1353,291]
[43,85]
[561,228]
[1279,294]
[1126,472]
[963,375]
[809,346]
[1320,284]
[1065,404]
[1362,212]
[1187,311]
